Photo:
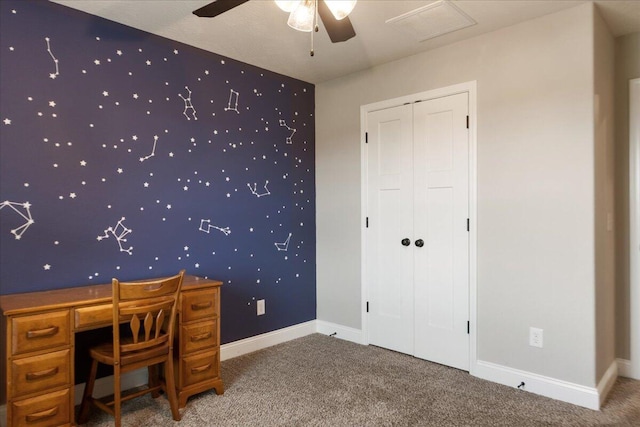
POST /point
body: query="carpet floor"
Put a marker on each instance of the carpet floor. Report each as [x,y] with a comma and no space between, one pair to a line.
[322,381]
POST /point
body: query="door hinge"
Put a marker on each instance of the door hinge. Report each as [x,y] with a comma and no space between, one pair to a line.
[468,327]
[467,224]
[467,122]
[366,137]
[367,306]
[367,222]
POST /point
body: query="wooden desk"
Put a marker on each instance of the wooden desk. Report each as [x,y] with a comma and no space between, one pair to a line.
[38,353]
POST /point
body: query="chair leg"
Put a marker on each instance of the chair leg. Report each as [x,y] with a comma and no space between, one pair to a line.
[153,373]
[117,401]
[170,388]
[83,414]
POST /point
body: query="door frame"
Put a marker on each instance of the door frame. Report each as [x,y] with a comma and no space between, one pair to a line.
[470,88]
[634,224]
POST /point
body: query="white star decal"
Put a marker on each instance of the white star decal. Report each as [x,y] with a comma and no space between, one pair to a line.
[97,62]
[120,170]
[7,121]
[72,195]
[175,51]
[119,52]
[148,62]
[168,206]
[83,163]
[171,154]
[105,93]
[52,104]
[47,267]
[135,96]
[146,184]
[52,76]
[134,137]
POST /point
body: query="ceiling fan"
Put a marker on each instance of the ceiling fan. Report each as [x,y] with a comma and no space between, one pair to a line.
[303,15]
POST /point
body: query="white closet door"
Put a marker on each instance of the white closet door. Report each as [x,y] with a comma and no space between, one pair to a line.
[441,210]
[417,242]
[390,206]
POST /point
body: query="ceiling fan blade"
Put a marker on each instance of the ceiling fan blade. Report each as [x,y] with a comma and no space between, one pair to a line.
[217,7]
[338,30]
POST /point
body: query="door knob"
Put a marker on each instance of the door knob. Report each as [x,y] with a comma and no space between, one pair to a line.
[419,243]
[406,242]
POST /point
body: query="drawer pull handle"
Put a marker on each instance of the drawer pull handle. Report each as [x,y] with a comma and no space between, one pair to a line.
[39,416]
[201,305]
[34,376]
[201,337]
[41,333]
[200,369]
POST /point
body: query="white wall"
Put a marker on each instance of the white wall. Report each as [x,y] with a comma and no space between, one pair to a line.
[627,68]
[535,187]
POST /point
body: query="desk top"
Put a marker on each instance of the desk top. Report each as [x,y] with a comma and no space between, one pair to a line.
[81,295]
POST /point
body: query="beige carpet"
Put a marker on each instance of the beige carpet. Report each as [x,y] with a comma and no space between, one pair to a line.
[322,381]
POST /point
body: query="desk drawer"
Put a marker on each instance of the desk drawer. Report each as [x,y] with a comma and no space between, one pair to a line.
[86,317]
[40,331]
[39,373]
[199,336]
[201,367]
[199,305]
[43,411]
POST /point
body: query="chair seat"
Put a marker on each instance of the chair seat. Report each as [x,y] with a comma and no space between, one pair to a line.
[103,353]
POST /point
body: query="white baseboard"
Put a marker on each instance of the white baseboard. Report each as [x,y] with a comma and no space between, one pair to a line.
[565,391]
[339,331]
[104,386]
[625,369]
[249,345]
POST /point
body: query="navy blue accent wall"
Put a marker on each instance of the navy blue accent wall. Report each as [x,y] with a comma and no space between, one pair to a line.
[124,154]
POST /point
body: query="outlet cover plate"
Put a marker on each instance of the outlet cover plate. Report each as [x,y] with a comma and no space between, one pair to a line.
[535,337]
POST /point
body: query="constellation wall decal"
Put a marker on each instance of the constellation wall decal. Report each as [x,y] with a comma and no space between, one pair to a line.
[254,189]
[120,232]
[55,60]
[153,150]
[233,99]
[284,246]
[290,137]
[188,105]
[26,214]
[208,227]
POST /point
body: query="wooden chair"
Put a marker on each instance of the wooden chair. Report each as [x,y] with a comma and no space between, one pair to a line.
[149,309]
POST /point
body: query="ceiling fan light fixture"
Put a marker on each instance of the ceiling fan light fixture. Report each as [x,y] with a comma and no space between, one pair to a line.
[340,9]
[287,5]
[303,16]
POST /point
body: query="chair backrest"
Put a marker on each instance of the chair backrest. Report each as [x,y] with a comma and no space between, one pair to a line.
[148,308]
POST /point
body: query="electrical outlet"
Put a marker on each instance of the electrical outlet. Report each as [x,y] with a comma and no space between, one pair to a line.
[535,337]
[260,307]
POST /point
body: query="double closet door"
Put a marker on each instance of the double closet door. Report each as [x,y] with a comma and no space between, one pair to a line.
[417,238]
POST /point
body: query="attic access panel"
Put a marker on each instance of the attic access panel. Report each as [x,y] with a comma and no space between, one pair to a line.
[433,20]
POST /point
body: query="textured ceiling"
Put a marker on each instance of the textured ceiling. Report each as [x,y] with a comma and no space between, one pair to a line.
[257,33]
